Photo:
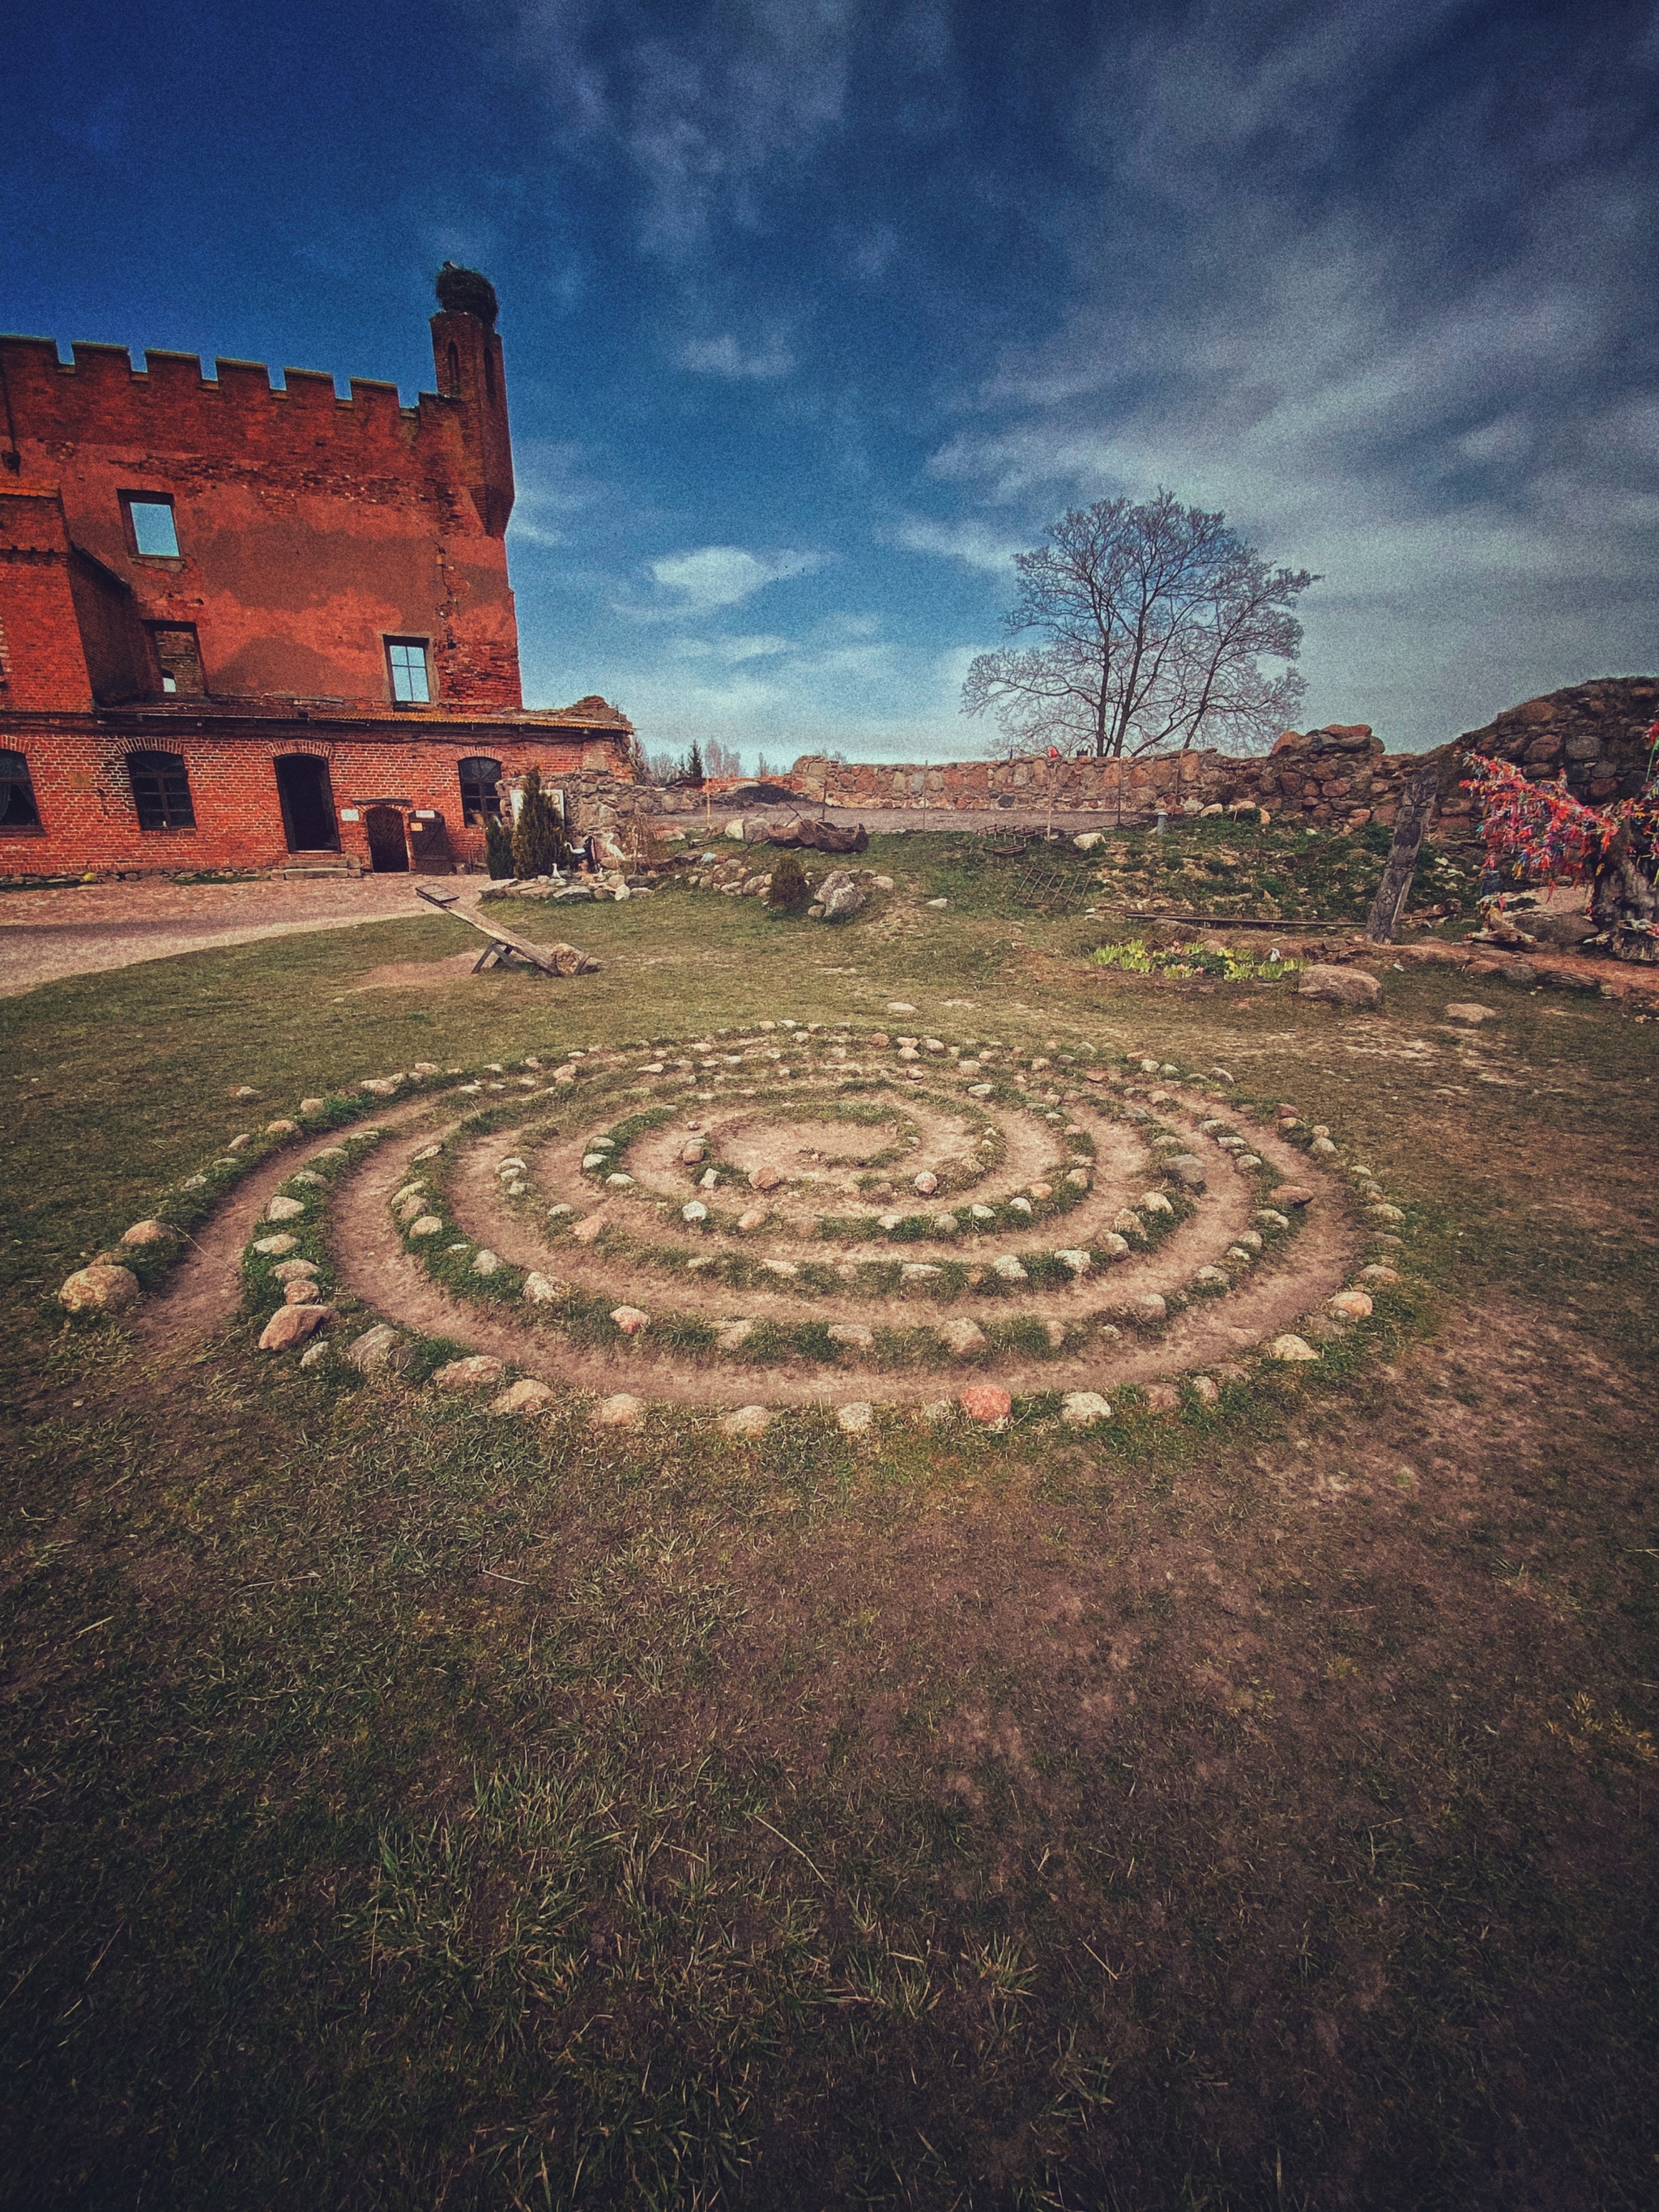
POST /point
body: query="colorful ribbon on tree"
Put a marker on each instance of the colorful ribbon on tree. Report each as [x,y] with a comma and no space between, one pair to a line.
[1541,828]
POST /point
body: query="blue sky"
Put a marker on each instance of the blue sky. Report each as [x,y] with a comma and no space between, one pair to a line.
[816,311]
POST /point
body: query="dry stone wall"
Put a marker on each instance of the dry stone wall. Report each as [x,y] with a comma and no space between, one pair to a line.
[1338,775]
[1595,733]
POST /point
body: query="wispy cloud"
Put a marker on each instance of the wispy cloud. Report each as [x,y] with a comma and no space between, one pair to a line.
[970,539]
[723,356]
[1375,302]
[707,108]
[725,575]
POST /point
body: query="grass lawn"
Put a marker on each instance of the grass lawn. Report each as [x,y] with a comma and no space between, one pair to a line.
[404,1809]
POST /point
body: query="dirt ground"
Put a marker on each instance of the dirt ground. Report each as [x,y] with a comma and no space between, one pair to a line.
[1245,1806]
[80,929]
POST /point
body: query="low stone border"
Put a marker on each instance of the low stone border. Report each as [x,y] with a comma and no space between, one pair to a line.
[287,1271]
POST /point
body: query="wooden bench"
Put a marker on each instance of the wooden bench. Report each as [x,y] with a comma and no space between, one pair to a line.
[504,947]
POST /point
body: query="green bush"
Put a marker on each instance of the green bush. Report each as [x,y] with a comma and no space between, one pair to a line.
[789,889]
[498,849]
[538,835]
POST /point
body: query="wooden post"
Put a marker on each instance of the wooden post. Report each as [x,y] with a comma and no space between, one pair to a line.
[1416,808]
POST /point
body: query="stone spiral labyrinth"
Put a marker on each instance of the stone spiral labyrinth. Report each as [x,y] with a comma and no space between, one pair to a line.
[790,1215]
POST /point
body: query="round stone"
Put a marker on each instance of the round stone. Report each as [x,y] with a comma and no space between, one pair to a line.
[1150,1308]
[1078,1409]
[282,1128]
[1350,1305]
[621,1411]
[926,1184]
[988,1402]
[468,1374]
[525,1396]
[427,1224]
[302,1291]
[150,1233]
[1290,1350]
[694,1212]
[630,1319]
[379,1347]
[857,1416]
[269,1247]
[746,1421]
[292,1271]
[1161,1397]
[485,1261]
[284,1209]
[99,1289]
[292,1325]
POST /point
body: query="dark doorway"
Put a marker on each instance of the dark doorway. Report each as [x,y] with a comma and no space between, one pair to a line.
[307,797]
[388,848]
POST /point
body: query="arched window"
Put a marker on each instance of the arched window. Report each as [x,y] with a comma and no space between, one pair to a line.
[17,808]
[161,791]
[481,798]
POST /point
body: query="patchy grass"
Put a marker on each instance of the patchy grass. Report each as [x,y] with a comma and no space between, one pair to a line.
[1249,1809]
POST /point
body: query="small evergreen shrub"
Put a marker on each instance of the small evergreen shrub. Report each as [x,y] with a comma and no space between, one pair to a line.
[498,849]
[537,836]
[789,889]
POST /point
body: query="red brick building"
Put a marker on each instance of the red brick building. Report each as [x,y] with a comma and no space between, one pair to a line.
[249,627]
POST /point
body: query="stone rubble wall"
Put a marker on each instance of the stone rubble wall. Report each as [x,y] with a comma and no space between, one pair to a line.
[1329,775]
[1596,732]
[1338,775]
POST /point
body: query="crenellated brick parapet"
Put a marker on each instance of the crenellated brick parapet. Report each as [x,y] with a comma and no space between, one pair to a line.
[301,532]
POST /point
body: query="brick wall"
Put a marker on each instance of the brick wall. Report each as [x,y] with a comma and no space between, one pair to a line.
[88,822]
[42,664]
[310,528]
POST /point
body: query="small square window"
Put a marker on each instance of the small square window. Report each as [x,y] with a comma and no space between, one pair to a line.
[410,683]
[150,521]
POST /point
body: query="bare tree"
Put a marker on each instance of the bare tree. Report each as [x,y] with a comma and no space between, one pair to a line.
[1155,618]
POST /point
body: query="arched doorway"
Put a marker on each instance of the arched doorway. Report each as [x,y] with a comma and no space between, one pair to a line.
[308,797]
[388,848]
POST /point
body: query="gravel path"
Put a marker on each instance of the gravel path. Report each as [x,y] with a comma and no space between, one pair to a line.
[80,929]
